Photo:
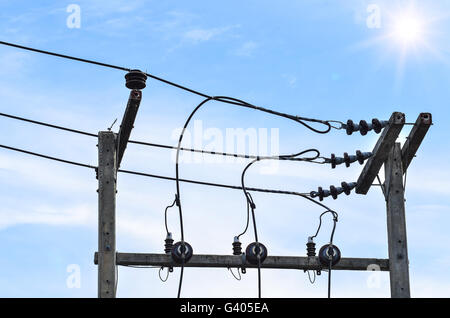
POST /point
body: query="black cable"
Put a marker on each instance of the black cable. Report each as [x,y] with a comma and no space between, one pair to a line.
[223,99]
[237,102]
[48,157]
[143,143]
[250,202]
[158,176]
[167,276]
[65,56]
[248,216]
[165,214]
[237,278]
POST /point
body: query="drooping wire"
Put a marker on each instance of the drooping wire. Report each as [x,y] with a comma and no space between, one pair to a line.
[251,204]
[248,214]
[237,102]
[312,281]
[165,214]
[330,247]
[232,273]
[159,274]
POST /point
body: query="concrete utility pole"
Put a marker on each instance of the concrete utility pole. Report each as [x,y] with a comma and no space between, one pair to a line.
[396,224]
[107,176]
[111,148]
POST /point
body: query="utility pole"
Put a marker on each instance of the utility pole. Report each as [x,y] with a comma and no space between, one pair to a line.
[396,224]
[107,176]
[111,148]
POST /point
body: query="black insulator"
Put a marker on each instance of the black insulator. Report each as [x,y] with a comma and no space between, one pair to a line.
[351,127]
[181,252]
[310,248]
[255,251]
[333,191]
[362,156]
[169,243]
[378,125]
[320,193]
[135,79]
[346,188]
[347,159]
[333,161]
[237,246]
[329,253]
[364,127]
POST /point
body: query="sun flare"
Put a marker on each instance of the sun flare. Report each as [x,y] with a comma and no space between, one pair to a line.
[408,29]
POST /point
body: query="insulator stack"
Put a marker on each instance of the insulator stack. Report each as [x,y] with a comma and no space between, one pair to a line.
[135,79]
[237,246]
[334,192]
[169,243]
[310,248]
[349,159]
[363,127]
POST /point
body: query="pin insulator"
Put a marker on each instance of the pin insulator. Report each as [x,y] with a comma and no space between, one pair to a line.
[181,252]
[168,243]
[310,248]
[237,246]
[135,79]
[255,251]
[329,253]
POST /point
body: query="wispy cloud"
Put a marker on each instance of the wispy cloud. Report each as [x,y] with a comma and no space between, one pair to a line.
[246,49]
[202,34]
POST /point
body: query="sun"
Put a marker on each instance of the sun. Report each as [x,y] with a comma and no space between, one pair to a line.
[408,28]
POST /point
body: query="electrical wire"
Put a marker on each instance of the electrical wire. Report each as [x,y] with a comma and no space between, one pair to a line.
[330,246]
[237,102]
[224,99]
[156,176]
[232,273]
[143,143]
[165,214]
[159,274]
[312,281]
[251,203]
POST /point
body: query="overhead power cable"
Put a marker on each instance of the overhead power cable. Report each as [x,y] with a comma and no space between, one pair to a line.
[219,185]
[157,145]
[223,99]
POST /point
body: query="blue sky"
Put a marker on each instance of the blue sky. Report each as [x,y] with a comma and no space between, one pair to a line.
[310,58]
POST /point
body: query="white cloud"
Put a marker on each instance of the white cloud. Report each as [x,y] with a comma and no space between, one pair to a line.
[202,35]
[247,49]
[82,215]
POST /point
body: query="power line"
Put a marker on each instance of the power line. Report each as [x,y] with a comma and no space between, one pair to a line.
[219,185]
[223,99]
[157,145]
